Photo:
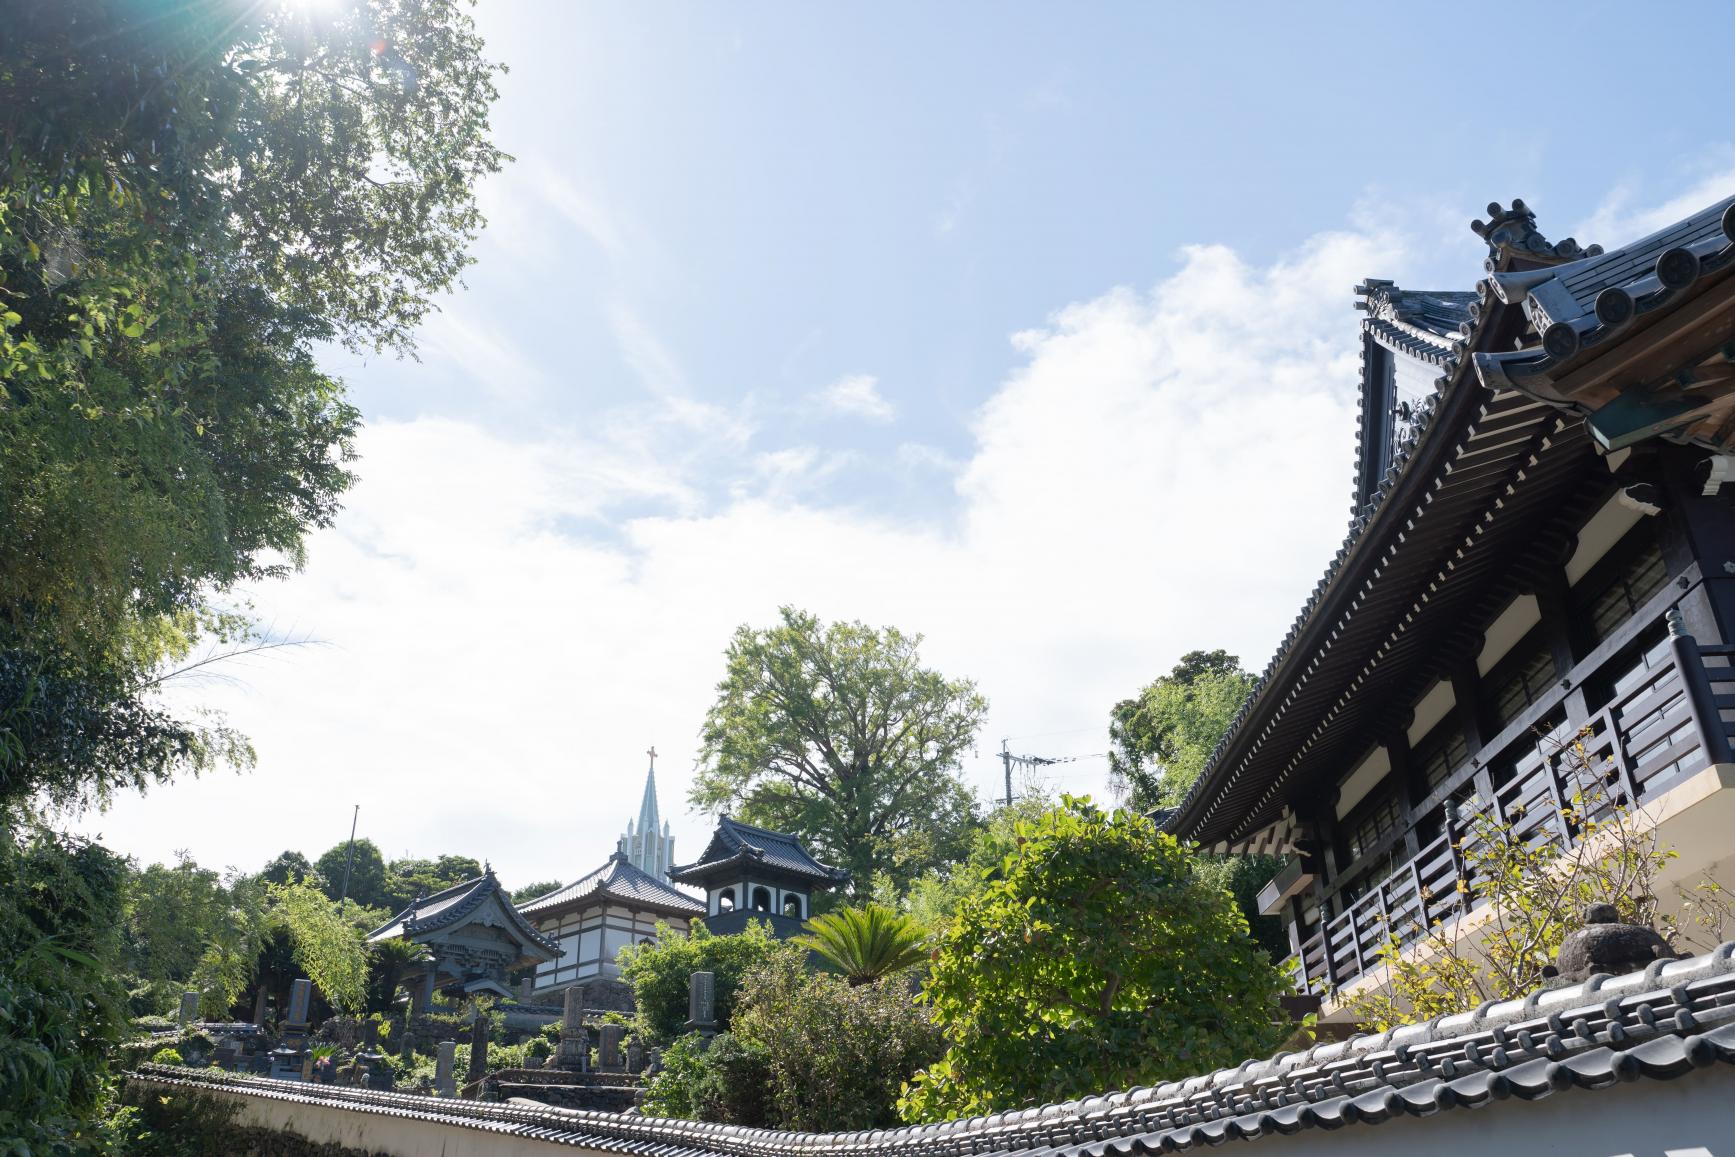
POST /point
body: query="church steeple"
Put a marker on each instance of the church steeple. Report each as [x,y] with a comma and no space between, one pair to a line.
[647,845]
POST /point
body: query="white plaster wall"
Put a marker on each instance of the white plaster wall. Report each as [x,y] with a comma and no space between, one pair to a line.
[1508,627]
[1605,528]
[1430,709]
[1359,782]
[399,1136]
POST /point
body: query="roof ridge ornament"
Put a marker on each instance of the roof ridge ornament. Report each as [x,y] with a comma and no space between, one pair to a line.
[1514,241]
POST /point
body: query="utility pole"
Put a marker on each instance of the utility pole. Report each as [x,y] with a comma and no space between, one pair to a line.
[349,860]
[1007,759]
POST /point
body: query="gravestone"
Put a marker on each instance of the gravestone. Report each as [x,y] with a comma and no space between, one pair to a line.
[259,1006]
[189,1008]
[444,1085]
[701,1004]
[609,1048]
[573,1052]
[635,1056]
[526,989]
[478,1048]
[300,1003]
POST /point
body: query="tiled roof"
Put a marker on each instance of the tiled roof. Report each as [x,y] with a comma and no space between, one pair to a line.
[448,908]
[1672,1018]
[618,880]
[735,843]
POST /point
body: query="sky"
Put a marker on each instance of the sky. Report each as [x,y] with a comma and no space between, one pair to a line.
[1024,327]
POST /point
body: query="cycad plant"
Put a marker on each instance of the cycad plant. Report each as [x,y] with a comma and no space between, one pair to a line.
[866,943]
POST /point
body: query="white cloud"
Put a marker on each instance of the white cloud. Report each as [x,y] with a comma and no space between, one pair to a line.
[1162,471]
[857,395]
[1622,217]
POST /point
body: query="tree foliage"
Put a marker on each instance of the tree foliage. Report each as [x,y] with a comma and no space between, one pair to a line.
[61,1006]
[935,896]
[194,199]
[365,868]
[1096,960]
[866,943]
[837,733]
[659,972]
[1162,739]
[532,891]
[836,1055]
[726,1081]
[328,948]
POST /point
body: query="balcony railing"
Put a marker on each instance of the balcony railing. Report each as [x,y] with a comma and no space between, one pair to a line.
[1667,723]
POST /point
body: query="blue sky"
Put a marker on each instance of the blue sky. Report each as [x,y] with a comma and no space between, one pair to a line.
[1024,326]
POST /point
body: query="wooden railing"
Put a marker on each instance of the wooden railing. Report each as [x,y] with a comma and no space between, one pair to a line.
[1668,724]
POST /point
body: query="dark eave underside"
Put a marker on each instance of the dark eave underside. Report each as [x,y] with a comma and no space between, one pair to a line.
[1428,561]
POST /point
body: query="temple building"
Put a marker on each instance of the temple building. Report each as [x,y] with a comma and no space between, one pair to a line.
[603,911]
[473,938]
[1541,554]
[751,873]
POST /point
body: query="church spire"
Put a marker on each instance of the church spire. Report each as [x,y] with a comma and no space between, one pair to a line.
[648,845]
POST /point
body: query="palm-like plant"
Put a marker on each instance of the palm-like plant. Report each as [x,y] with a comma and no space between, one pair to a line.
[866,943]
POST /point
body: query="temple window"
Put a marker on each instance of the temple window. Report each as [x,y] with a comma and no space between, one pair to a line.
[761,900]
[726,900]
[792,906]
[1519,680]
[1613,594]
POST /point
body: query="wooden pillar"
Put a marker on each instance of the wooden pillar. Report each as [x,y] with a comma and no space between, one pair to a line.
[1467,703]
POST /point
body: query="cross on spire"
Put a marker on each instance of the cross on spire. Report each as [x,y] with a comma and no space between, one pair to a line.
[653,754]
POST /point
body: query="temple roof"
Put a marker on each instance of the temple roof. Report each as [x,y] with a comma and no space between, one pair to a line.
[735,845]
[451,907]
[1674,1018]
[1477,466]
[618,880]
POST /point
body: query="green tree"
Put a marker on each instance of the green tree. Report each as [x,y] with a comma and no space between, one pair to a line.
[408,879]
[365,872]
[659,972]
[1161,740]
[866,943]
[171,914]
[532,891]
[1096,960]
[194,200]
[61,1004]
[327,947]
[288,866]
[836,732]
[935,896]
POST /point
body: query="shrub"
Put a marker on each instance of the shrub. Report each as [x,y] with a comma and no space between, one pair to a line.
[836,1054]
[168,1056]
[659,972]
[728,1082]
[1098,959]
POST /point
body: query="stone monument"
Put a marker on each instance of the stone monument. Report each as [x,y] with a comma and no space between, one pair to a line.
[635,1056]
[189,1008]
[701,1004]
[573,1052]
[478,1048]
[444,1085]
[259,1006]
[608,1052]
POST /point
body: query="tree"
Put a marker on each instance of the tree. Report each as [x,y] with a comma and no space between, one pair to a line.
[532,891]
[1096,960]
[193,201]
[327,947]
[659,972]
[408,879]
[935,896]
[365,873]
[866,943]
[171,914]
[1161,740]
[287,867]
[837,733]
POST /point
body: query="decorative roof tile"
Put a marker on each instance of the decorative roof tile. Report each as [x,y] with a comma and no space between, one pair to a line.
[736,844]
[621,880]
